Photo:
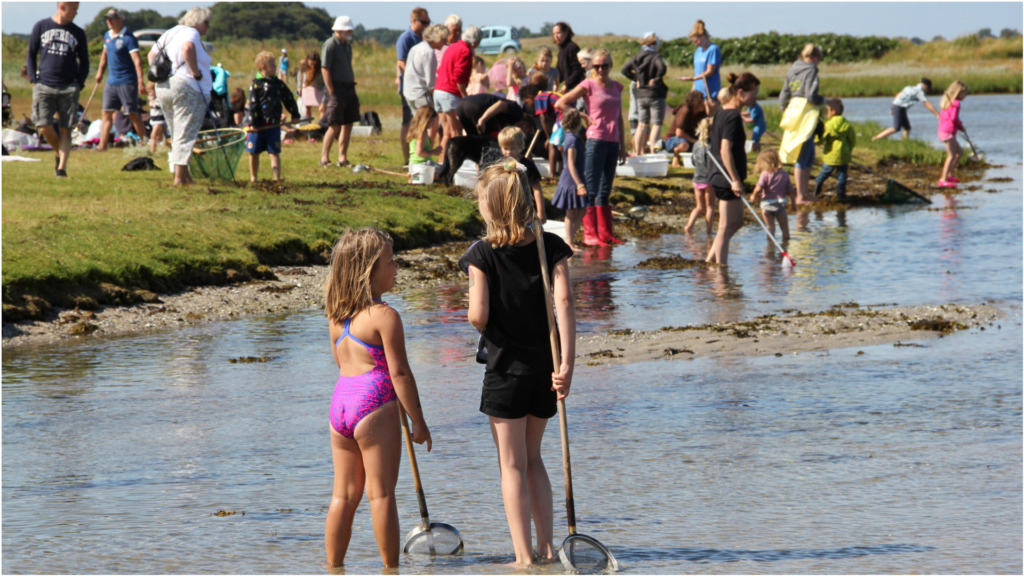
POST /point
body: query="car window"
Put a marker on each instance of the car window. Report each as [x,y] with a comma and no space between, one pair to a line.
[499,33]
[515,35]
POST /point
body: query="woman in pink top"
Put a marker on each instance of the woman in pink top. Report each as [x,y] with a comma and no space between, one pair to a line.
[606,145]
[452,79]
[949,123]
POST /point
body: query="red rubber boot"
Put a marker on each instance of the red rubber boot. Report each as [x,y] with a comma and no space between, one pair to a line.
[590,235]
[604,226]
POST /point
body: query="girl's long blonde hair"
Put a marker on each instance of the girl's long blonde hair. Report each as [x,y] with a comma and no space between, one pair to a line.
[704,129]
[421,122]
[953,92]
[768,161]
[347,289]
[505,191]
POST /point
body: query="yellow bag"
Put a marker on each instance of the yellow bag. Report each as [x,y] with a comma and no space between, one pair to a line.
[799,121]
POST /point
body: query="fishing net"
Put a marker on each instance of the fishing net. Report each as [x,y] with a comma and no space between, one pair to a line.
[216,153]
[897,193]
[442,540]
[586,555]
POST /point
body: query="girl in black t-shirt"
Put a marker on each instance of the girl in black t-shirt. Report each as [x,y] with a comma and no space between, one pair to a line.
[728,146]
[521,386]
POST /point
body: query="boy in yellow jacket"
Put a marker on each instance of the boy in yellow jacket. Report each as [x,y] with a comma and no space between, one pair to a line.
[838,142]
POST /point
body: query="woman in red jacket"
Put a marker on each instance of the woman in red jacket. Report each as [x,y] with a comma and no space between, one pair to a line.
[450,87]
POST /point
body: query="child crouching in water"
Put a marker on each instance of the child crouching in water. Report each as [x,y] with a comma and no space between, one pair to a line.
[571,193]
[774,187]
[705,196]
[949,123]
[521,386]
[368,345]
[266,97]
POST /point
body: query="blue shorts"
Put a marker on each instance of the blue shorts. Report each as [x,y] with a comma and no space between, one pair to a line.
[806,158]
[445,101]
[268,140]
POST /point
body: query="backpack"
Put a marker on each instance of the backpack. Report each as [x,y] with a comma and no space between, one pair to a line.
[161,68]
[371,119]
[140,164]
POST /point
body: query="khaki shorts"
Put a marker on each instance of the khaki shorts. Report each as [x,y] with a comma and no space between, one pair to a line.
[48,102]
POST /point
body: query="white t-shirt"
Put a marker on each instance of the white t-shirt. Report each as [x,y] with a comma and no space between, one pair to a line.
[420,71]
[172,41]
[909,95]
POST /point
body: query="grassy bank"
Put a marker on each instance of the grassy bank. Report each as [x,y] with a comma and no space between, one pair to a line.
[104,236]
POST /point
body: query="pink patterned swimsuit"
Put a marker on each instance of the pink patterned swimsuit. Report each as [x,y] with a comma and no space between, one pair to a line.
[355,397]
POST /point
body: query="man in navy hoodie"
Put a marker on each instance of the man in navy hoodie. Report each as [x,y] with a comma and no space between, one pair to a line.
[60,47]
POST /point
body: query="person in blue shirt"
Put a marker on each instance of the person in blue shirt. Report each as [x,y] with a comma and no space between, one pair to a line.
[707,63]
[755,115]
[125,81]
[283,74]
[418,22]
[220,108]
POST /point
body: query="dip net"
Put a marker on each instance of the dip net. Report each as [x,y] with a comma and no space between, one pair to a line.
[216,153]
[585,555]
[441,539]
[897,193]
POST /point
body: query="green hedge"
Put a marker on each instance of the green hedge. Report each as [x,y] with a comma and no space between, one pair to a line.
[775,48]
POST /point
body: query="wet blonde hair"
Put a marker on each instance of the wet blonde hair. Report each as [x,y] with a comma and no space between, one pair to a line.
[265,59]
[953,92]
[505,191]
[768,161]
[512,137]
[347,289]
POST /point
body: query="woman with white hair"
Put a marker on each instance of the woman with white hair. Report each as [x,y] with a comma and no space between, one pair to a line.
[452,79]
[421,68]
[185,95]
[648,70]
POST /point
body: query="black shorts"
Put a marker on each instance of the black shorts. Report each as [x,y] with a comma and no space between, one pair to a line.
[514,396]
[343,106]
[900,120]
[406,112]
[725,194]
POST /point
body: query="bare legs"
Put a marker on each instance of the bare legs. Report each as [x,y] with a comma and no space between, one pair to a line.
[706,206]
[525,487]
[369,462]
[254,166]
[342,132]
[573,219]
[639,137]
[451,127]
[953,153]
[59,141]
[730,220]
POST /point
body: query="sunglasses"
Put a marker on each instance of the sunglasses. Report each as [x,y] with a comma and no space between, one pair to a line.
[424,22]
[602,66]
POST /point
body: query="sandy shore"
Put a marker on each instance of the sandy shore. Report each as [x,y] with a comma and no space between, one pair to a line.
[841,326]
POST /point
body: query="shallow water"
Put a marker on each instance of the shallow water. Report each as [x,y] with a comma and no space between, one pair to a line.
[885,459]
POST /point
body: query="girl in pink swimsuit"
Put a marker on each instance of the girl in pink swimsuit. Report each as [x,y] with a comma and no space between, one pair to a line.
[369,349]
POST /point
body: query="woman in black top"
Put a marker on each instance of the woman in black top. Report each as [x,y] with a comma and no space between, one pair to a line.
[569,68]
[728,146]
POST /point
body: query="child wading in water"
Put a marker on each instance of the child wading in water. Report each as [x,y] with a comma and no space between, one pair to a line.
[266,97]
[701,185]
[774,187]
[507,304]
[949,123]
[368,345]
[571,194]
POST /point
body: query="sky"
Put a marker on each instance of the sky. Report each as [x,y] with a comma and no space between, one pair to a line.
[669,19]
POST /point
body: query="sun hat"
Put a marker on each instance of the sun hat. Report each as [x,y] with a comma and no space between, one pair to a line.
[285,50]
[343,23]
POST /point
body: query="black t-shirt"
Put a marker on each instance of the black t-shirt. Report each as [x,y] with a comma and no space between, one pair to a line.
[728,126]
[517,325]
[471,108]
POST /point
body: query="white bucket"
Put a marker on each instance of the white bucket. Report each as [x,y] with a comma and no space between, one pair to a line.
[422,173]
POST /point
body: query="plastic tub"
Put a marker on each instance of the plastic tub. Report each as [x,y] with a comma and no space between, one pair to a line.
[466,175]
[422,173]
[543,167]
[644,167]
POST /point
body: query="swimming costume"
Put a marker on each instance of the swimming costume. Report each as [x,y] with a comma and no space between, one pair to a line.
[355,397]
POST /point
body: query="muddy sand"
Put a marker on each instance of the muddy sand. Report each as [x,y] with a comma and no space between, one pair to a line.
[843,325]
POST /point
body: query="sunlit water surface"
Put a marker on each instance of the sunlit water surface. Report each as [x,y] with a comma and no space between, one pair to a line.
[118,455]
